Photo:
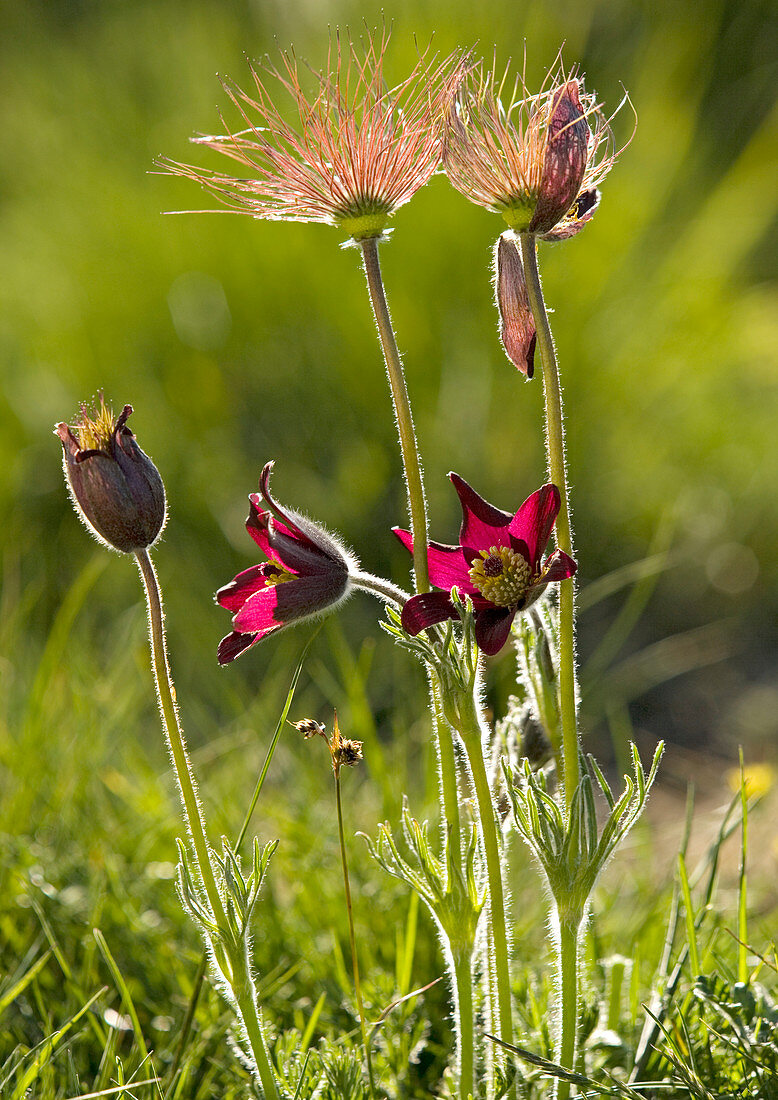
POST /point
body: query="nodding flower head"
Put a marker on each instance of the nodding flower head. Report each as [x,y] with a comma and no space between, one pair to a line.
[307,573]
[356,150]
[116,488]
[535,159]
[498,564]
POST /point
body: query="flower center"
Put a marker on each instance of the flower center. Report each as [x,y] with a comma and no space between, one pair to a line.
[501,575]
[275,574]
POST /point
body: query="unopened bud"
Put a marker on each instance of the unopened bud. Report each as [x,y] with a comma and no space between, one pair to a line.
[116,488]
[517,326]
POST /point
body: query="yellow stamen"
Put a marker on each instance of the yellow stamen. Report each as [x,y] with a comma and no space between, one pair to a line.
[501,575]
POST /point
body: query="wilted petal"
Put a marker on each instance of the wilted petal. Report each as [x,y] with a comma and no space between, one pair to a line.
[492,627]
[564,163]
[534,522]
[426,610]
[582,211]
[517,326]
[483,525]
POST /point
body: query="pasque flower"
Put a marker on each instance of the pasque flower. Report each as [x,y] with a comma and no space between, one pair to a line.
[357,150]
[116,488]
[307,573]
[535,159]
[497,564]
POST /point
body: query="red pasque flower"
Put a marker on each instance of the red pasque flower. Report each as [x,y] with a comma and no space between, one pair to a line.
[535,159]
[307,573]
[497,564]
[348,153]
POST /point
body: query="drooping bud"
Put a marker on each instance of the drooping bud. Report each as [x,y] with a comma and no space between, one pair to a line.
[116,488]
[517,326]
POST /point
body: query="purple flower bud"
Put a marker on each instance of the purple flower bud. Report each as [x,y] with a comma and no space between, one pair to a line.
[116,488]
[517,326]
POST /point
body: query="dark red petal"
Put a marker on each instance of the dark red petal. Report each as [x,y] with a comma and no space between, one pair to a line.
[234,595]
[426,610]
[483,525]
[492,627]
[558,567]
[564,161]
[517,327]
[233,645]
[285,518]
[534,522]
[257,524]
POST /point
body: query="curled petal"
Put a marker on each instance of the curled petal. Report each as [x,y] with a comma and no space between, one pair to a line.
[517,326]
[534,522]
[492,627]
[483,525]
[233,645]
[559,567]
[426,610]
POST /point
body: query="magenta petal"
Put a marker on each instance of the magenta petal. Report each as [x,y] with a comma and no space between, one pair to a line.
[258,613]
[483,525]
[447,567]
[258,523]
[492,627]
[534,522]
[517,326]
[287,520]
[426,610]
[234,595]
[233,645]
[558,567]
[405,538]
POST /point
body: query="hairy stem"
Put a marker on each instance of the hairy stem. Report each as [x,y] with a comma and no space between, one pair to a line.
[463,974]
[568,976]
[242,983]
[470,730]
[352,935]
[380,587]
[557,468]
[402,409]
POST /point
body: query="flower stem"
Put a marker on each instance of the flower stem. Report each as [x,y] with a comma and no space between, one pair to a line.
[380,587]
[402,408]
[352,936]
[568,974]
[471,731]
[555,445]
[465,1034]
[241,982]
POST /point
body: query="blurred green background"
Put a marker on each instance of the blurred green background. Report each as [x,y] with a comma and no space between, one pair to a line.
[238,341]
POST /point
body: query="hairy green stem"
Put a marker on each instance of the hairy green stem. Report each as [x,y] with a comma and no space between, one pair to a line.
[242,983]
[402,409]
[449,782]
[463,974]
[555,445]
[352,935]
[380,587]
[471,732]
[568,980]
